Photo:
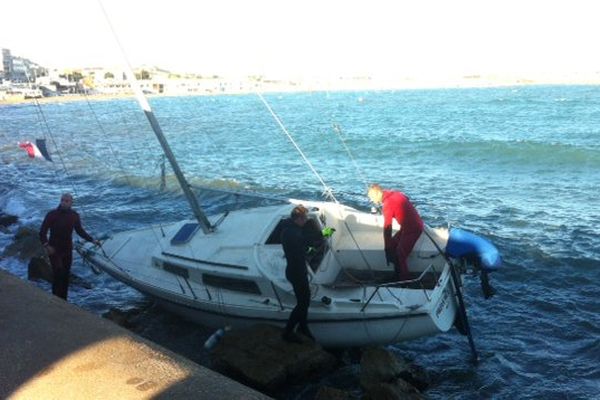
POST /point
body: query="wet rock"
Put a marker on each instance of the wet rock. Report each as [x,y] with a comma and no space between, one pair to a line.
[329,393]
[39,268]
[7,219]
[384,376]
[26,244]
[124,318]
[379,365]
[397,390]
[260,358]
[79,281]
[416,376]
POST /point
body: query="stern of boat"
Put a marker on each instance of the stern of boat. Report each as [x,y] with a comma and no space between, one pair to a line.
[444,306]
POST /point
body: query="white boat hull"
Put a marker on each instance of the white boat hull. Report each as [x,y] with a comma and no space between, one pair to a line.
[236,277]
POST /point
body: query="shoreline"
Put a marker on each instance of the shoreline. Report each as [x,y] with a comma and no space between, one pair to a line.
[349,85]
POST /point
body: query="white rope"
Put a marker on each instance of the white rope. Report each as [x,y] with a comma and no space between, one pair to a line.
[327,191]
[135,86]
[112,151]
[338,130]
[82,149]
[44,123]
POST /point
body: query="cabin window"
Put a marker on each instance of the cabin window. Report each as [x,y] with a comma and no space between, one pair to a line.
[316,244]
[176,269]
[275,236]
[185,233]
[312,231]
[235,284]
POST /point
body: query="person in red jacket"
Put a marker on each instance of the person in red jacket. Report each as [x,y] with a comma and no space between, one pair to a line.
[397,206]
[60,222]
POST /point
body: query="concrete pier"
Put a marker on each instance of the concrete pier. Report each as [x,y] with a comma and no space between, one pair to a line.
[50,349]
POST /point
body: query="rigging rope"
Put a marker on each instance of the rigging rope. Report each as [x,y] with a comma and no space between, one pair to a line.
[337,129]
[44,122]
[327,191]
[105,135]
[40,114]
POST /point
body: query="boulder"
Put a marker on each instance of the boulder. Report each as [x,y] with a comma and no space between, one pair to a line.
[384,376]
[379,365]
[397,390]
[260,358]
[124,318]
[329,393]
[26,244]
[416,376]
[39,268]
[7,219]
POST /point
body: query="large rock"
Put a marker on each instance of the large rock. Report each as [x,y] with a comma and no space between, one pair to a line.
[384,376]
[417,376]
[26,244]
[260,358]
[329,393]
[397,390]
[379,365]
[124,318]
[7,219]
[39,268]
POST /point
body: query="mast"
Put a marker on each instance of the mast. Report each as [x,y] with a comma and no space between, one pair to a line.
[185,186]
[143,102]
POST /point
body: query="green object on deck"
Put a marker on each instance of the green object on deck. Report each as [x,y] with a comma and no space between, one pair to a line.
[328,232]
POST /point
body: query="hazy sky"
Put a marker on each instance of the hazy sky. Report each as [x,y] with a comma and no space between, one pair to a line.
[311,37]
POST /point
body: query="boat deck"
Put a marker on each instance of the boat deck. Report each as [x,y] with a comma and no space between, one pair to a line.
[354,278]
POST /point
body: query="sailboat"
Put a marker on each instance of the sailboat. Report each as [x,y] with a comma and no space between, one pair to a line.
[234,274]
[229,270]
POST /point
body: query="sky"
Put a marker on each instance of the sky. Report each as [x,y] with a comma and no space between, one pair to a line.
[313,38]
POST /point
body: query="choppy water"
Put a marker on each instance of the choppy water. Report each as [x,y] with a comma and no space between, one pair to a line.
[518,165]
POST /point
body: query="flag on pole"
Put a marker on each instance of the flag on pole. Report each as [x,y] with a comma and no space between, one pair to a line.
[41,145]
[36,150]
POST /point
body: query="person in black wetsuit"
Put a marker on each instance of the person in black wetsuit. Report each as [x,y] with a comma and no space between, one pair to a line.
[315,242]
[294,245]
[61,222]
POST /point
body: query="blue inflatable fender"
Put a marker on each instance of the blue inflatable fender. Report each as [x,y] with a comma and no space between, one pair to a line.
[464,244]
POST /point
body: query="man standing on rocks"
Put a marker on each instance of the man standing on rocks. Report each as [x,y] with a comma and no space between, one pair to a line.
[294,246]
[61,222]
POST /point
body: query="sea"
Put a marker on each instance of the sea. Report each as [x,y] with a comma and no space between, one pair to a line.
[519,166]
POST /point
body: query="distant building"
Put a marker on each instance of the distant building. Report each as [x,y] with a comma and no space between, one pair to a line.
[19,69]
[7,65]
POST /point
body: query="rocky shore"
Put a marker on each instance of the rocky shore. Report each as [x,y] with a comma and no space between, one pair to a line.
[258,357]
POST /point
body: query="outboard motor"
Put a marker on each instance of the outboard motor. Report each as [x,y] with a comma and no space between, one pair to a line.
[477,251]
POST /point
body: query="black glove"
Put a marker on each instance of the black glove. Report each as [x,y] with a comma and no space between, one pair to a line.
[390,257]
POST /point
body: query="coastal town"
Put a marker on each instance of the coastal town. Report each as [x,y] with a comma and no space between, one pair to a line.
[22,80]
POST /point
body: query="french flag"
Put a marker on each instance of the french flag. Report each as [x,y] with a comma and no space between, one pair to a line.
[37,149]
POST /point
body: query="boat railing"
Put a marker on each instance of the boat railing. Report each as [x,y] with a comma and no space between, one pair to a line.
[418,280]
